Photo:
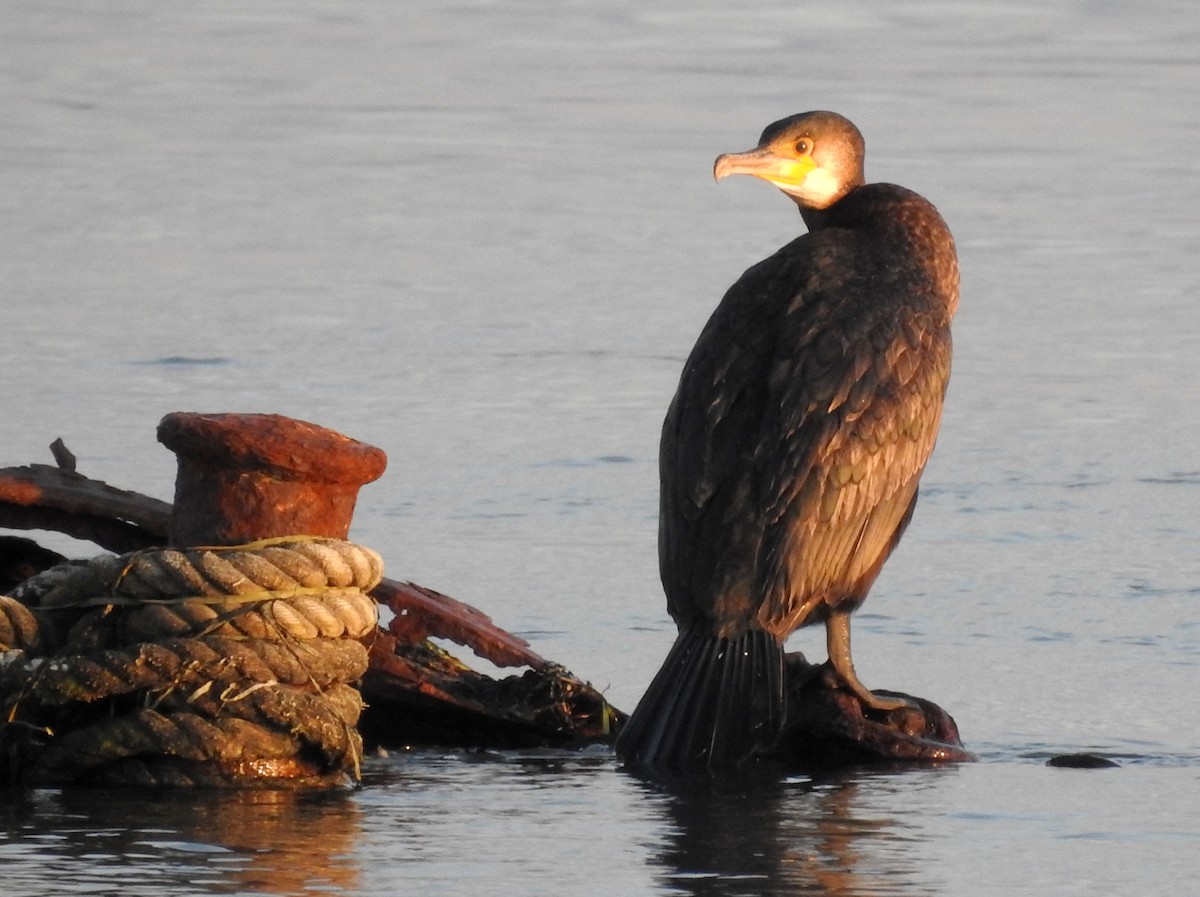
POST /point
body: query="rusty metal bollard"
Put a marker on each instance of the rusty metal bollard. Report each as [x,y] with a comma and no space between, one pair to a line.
[245,477]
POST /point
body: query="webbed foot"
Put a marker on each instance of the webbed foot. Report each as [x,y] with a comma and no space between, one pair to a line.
[837,637]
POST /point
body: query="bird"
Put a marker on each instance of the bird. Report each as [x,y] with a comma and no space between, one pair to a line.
[792,450]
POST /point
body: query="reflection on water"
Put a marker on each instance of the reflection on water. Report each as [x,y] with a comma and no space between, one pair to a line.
[560,823]
[261,842]
[582,825]
[795,836]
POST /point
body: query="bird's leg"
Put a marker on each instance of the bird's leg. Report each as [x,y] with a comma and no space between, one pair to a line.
[837,637]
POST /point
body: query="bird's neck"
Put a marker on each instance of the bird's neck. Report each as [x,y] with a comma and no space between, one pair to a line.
[904,220]
[814,219]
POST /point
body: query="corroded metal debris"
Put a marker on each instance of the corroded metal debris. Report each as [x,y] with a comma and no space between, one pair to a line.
[421,694]
[245,477]
[161,666]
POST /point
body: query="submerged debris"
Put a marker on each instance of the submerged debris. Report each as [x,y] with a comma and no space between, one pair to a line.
[422,694]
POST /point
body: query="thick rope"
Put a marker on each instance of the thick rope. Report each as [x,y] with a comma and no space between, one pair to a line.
[246,571]
[278,565]
[231,661]
[18,626]
[263,723]
[332,613]
[187,664]
[187,736]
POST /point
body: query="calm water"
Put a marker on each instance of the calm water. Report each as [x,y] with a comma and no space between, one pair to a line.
[483,236]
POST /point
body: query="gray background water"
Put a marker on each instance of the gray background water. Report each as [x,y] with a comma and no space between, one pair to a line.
[483,236]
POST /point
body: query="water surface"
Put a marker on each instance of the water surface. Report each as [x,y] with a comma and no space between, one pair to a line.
[483,237]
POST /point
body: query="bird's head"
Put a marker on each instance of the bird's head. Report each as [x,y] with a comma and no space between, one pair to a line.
[816,158]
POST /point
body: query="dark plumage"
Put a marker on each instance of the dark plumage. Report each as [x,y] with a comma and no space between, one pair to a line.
[791,453]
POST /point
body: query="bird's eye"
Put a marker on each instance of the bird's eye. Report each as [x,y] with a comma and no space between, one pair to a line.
[802,147]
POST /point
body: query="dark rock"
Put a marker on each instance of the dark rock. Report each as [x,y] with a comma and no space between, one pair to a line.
[1081,761]
[828,727]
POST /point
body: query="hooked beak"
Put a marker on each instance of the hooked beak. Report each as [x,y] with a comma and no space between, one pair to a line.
[761,162]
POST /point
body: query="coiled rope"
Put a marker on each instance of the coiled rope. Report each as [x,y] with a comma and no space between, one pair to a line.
[190,666]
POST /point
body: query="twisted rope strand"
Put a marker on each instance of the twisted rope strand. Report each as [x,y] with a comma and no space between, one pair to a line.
[226,660]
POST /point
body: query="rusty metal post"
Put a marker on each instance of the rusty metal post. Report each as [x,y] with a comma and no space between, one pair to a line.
[244,477]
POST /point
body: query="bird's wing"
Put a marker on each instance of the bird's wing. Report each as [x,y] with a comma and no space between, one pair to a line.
[858,407]
[709,526]
[791,453]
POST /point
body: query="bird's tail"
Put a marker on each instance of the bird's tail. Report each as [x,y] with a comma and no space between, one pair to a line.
[715,703]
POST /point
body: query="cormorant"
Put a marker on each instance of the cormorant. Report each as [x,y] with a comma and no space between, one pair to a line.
[791,452]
